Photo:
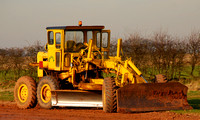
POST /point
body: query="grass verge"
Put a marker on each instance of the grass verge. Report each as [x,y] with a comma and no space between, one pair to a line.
[6,96]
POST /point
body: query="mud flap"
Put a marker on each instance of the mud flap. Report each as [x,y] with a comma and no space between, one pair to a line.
[76,98]
[152,97]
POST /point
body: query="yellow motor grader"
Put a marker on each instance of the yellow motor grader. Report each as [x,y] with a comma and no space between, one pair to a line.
[77,71]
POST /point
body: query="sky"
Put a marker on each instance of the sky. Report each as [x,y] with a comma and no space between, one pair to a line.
[23,22]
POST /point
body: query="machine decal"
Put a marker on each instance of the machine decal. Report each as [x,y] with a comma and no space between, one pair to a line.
[51,57]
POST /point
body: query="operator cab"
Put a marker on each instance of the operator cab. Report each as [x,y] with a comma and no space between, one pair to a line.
[63,42]
[73,38]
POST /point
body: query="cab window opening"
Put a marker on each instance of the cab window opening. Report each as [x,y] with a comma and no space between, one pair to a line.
[76,36]
[98,40]
[58,40]
[89,36]
[50,38]
[73,40]
[104,40]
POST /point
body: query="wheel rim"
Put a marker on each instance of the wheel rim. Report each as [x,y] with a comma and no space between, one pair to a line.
[23,93]
[45,93]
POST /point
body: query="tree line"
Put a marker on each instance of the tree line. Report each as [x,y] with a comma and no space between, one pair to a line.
[14,62]
[162,53]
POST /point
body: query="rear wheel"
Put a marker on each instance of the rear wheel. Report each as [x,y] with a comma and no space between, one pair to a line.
[25,92]
[109,95]
[45,86]
[160,78]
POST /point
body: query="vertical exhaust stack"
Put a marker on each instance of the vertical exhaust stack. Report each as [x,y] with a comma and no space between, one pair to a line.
[119,44]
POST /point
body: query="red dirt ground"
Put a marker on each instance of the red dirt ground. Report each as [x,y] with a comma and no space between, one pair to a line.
[9,111]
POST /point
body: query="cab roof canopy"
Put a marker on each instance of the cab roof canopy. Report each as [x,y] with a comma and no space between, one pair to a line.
[77,27]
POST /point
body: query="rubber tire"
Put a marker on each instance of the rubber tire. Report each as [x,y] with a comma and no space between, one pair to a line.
[109,96]
[31,85]
[54,85]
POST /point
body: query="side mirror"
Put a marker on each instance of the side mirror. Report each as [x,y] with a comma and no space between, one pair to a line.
[46,47]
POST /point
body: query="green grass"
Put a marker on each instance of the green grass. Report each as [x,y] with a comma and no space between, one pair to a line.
[6,96]
[8,78]
[194,99]
[185,73]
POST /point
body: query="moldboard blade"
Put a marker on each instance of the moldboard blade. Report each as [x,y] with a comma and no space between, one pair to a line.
[152,97]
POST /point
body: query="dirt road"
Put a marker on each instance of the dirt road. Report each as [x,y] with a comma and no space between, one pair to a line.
[9,111]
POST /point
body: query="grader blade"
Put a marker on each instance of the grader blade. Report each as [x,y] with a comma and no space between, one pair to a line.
[152,97]
[76,98]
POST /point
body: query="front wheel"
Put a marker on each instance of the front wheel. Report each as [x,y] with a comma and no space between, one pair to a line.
[25,92]
[45,86]
[109,95]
